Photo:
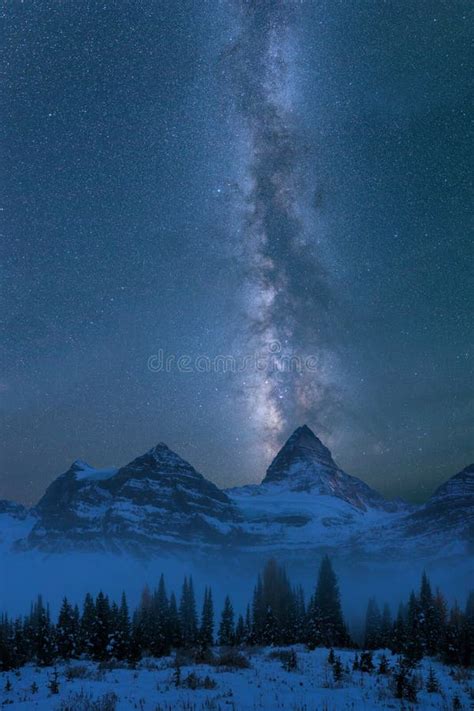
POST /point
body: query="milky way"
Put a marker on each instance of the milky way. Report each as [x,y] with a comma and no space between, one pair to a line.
[239,178]
[286,292]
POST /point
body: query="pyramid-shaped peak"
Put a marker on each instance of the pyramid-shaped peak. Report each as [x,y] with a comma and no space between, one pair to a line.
[303,445]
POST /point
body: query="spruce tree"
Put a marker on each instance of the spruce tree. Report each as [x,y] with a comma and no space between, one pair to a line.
[428,623]
[206,630]
[87,626]
[160,642]
[226,628]
[67,631]
[325,621]
[102,628]
[399,632]
[414,641]
[187,614]
[174,627]
[240,631]
[43,634]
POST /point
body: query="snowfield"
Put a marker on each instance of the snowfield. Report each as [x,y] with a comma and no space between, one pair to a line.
[151,686]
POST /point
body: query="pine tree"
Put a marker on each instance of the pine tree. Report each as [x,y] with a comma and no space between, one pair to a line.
[414,643]
[432,685]
[42,632]
[142,626]
[451,651]
[300,616]
[67,631]
[206,631]
[399,632]
[240,631]
[373,626]
[428,623]
[160,642]
[258,612]
[174,627]
[325,622]
[87,626]
[121,640]
[187,614]
[102,629]
[226,628]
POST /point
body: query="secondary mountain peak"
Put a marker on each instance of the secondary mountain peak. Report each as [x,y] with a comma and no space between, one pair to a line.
[303,447]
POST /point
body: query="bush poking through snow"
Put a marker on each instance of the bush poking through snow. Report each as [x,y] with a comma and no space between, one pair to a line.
[193,682]
[337,670]
[85,702]
[432,685]
[232,659]
[53,683]
[78,671]
[287,657]
[383,665]
[366,663]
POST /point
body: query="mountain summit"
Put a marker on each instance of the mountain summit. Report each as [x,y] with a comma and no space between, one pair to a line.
[302,448]
[305,464]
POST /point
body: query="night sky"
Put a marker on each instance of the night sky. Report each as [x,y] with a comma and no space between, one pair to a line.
[236,178]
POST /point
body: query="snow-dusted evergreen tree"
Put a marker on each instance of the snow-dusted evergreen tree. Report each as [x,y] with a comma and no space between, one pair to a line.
[67,631]
[174,626]
[240,633]
[399,631]
[226,635]
[160,643]
[413,649]
[274,607]
[206,630]
[121,641]
[300,615]
[87,626]
[258,612]
[429,630]
[142,626]
[102,634]
[325,621]
[42,633]
[187,614]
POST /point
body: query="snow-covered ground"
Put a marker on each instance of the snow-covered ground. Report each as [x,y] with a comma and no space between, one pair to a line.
[264,685]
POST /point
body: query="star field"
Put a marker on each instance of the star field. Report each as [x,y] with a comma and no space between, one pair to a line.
[211,178]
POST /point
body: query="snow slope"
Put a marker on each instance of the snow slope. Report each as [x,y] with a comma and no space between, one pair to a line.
[265,686]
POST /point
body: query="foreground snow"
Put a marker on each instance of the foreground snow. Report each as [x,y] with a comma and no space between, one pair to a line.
[265,685]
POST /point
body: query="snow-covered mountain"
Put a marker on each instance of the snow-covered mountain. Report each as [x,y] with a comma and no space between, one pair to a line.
[155,500]
[305,504]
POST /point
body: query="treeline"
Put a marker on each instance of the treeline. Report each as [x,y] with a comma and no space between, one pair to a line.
[277,615]
[424,626]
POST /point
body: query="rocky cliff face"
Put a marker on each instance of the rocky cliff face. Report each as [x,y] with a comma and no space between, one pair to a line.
[156,498]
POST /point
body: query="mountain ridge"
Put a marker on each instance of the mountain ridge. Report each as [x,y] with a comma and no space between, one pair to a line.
[305,501]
